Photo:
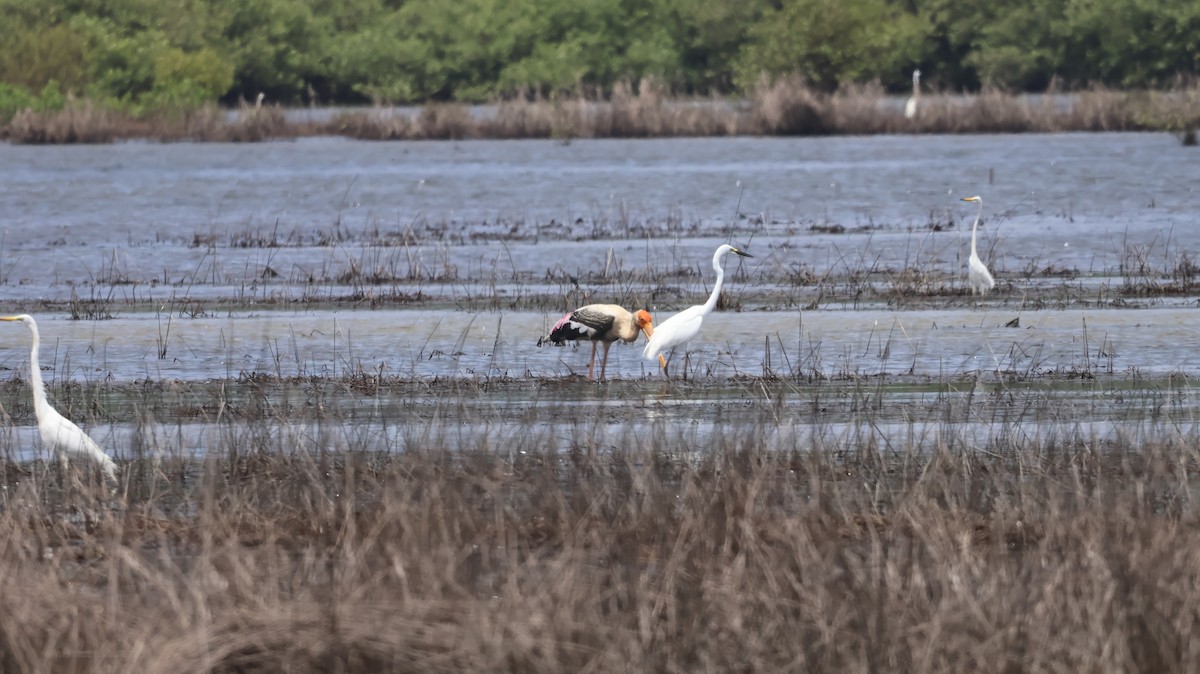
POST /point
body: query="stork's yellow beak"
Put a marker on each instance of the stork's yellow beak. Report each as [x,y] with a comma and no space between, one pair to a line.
[10,318]
[740,252]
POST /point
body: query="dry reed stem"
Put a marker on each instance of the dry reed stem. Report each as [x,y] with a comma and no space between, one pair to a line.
[787,106]
[1028,557]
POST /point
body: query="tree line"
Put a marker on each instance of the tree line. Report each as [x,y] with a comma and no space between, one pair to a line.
[150,56]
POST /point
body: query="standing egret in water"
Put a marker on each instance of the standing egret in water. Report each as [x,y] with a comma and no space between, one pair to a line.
[58,433]
[600,323]
[977,272]
[684,325]
[910,107]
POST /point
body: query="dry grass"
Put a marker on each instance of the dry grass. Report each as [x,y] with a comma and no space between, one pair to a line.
[784,107]
[76,123]
[746,553]
[86,122]
[787,107]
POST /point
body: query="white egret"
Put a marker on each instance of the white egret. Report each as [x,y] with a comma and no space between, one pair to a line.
[600,323]
[684,325]
[58,433]
[977,272]
[910,107]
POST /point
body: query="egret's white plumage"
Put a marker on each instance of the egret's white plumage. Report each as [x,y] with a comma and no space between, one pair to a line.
[684,325]
[910,107]
[58,433]
[600,323]
[977,272]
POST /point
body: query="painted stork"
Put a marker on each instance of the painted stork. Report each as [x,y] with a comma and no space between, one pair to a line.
[600,323]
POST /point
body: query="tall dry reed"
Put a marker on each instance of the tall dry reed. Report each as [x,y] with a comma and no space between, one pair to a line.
[786,106]
[78,122]
[86,122]
[790,107]
[750,551]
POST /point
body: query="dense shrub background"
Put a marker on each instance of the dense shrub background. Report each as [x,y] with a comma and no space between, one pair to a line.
[147,56]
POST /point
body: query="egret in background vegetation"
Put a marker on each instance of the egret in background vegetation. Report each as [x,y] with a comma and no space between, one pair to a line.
[247,111]
[58,433]
[600,323]
[684,325]
[910,107]
[977,272]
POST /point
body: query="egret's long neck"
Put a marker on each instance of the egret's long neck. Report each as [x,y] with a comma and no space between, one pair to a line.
[716,293]
[974,227]
[35,373]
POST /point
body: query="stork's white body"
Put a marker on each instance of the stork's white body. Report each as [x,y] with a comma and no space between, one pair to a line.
[600,323]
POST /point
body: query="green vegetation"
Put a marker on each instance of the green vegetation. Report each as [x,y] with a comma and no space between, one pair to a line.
[143,57]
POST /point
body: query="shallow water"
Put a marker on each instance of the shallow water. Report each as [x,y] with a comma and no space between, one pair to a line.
[428,344]
[1071,200]
[436,261]
[678,418]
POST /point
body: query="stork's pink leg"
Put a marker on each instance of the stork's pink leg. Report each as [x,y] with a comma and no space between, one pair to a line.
[592,362]
[604,363]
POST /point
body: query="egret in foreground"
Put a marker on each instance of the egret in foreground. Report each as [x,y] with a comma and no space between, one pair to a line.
[58,433]
[977,272]
[685,325]
[910,107]
[600,323]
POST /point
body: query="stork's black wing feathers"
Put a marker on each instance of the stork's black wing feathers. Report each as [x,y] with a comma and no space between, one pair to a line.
[583,323]
[592,322]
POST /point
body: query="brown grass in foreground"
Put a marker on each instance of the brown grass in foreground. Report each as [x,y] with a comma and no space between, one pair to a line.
[784,107]
[1023,557]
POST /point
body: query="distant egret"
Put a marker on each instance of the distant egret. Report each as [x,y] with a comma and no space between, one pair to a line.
[685,325]
[58,433]
[600,323]
[977,272]
[910,107]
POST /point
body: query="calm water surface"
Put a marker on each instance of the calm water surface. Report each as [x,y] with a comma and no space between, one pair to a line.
[278,235]
[1069,199]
